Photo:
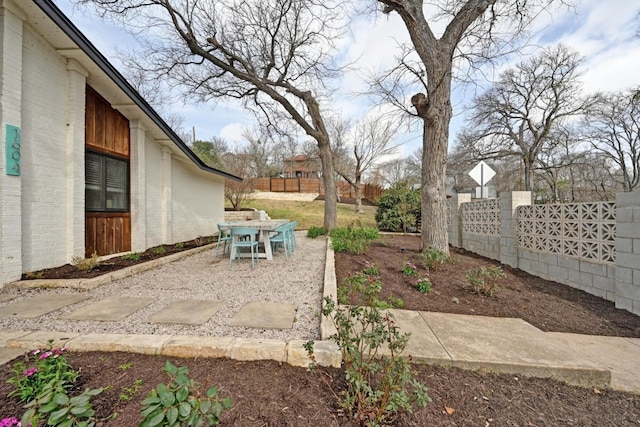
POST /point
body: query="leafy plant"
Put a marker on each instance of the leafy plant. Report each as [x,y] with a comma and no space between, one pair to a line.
[409,269]
[424,285]
[127,393]
[133,256]
[41,368]
[125,366]
[379,386]
[158,250]
[483,280]
[85,264]
[371,268]
[180,245]
[355,240]
[61,410]
[315,231]
[433,258]
[180,403]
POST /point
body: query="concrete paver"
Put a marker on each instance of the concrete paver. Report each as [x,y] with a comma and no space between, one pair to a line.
[8,354]
[620,355]
[39,305]
[266,315]
[109,309]
[187,312]
[4,298]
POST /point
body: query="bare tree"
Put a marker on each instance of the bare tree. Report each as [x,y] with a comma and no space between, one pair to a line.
[235,162]
[399,170]
[518,115]
[259,152]
[275,56]
[357,148]
[612,126]
[478,28]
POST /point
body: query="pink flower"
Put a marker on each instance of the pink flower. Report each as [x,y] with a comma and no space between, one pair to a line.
[29,372]
[45,355]
[9,422]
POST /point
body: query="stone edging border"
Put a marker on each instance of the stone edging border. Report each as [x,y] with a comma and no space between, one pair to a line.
[326,352]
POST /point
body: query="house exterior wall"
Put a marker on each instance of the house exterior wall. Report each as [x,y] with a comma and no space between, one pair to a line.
[43,155]
[42,210]
[197,211]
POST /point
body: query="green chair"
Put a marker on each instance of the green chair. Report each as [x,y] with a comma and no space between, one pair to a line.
[241,238]
[223,238]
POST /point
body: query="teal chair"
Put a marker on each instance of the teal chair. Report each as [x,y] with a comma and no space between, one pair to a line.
[223,239]
[292,234]
[282,238]
[242,238]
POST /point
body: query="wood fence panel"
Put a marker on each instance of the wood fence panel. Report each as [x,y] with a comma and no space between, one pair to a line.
[311,185]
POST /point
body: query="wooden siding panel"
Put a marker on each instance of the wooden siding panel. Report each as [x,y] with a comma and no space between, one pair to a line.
[106,130]
[107,233]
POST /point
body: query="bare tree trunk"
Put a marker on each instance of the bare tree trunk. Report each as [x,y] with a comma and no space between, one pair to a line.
[358,196]
[433,196]
[329,180]
[435,111]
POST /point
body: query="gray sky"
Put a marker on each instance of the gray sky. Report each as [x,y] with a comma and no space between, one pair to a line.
[605,32]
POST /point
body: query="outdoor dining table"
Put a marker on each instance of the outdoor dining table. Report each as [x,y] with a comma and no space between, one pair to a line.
[265,227]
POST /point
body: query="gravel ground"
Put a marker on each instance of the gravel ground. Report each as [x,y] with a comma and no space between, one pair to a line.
[298,280]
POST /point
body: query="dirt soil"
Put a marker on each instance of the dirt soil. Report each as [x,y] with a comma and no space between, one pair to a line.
[267,393]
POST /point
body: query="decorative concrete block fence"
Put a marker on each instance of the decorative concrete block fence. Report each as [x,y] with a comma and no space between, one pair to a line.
[590,246]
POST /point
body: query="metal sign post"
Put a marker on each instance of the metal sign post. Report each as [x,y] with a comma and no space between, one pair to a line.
[482,174]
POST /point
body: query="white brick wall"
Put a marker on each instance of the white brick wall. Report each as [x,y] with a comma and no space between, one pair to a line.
[44,155]
[42,210]
[197,211]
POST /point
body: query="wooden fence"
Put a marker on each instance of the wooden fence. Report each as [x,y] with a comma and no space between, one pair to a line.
[310,185]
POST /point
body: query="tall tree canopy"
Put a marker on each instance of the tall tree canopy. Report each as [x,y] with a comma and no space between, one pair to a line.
[474,29]
[521,114]
[274,55]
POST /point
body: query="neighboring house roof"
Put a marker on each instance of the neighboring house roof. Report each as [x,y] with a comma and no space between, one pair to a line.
[79,39]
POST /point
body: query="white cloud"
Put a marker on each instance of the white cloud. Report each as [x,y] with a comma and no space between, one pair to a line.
[232,132]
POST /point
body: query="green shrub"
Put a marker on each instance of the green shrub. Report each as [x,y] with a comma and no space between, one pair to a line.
[133,256]
[483,280]
[355,240]
[158,250]
[85,264]
[433,258]
[379,387]
[180,245]
[315,231]
[42,366]
[181,403]
[398,209]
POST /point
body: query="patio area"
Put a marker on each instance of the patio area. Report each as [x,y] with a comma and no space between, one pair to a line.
[196,295]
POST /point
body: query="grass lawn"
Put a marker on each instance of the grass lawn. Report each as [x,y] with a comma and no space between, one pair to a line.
[312,213]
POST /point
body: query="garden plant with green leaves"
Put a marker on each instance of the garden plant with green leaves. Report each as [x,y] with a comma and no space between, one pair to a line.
[380,382]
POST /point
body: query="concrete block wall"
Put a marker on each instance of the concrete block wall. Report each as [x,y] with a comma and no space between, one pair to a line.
[618,282]
[627,274]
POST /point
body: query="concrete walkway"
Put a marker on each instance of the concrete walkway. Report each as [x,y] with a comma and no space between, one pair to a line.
[497,344]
